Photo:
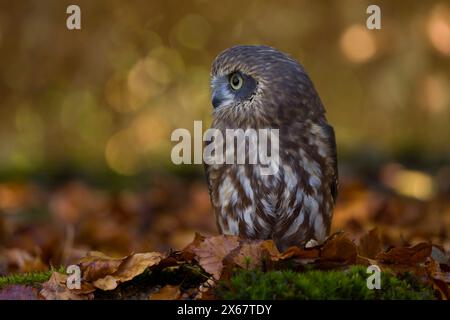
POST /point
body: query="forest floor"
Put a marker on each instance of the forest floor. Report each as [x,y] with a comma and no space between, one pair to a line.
[160,242]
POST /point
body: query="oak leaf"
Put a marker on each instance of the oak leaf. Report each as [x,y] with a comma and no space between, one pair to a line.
[210,252]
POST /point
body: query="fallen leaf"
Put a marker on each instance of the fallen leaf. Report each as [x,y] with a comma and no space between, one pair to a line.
[55,289]
[198,239]
[370,244]
[251,254]
[167,292]
[211,251]
[441,280]
[406,255]
[97,265]
[300,253]
[339,248]
[271,248]
[130,267]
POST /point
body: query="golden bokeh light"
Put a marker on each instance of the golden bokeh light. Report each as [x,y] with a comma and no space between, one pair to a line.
[149,132]
[147,79]
[414,184]
[193,31]
[410,183]
[358,44]
[121,153]
[116,94]
[434,97]
[438,28]
[133,62]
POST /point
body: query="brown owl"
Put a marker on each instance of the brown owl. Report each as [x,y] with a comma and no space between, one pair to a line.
[259,87]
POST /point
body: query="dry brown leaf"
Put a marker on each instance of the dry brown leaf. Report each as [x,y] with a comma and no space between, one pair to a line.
[271,248]
[167,292]
[300,253]
[370,244]
[441,279]
[406,255]
[97,265]
[366,261]
[198,239]
[55,289]
[339,248]
[211,251]
[130,267]
[108,282]
[251,254]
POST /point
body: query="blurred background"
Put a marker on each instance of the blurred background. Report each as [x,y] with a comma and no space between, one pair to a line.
[86,117]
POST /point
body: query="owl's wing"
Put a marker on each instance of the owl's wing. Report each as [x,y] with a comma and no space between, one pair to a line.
[208,181]
[334,184]
[206,167]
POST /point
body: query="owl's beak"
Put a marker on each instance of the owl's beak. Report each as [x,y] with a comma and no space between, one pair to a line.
[220,95]
[216,100]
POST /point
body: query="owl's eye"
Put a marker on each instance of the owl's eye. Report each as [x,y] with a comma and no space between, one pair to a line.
[236,81]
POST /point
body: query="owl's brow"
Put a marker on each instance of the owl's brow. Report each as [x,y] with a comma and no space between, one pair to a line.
[231,68]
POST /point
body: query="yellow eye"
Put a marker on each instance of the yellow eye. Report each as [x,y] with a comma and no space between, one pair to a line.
[236,81]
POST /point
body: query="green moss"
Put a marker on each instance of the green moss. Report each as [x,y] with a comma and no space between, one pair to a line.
[320,285]
[31,278]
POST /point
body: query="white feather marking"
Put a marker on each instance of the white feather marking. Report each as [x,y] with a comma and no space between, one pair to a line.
[233,227]
[245,182]
[311,205]
[289,178]
[225,192]
[319,228]
[295,226]
[314,182]
[247,217]
[261,222]
[299,196]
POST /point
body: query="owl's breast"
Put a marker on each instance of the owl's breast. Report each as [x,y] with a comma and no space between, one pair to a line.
[291,205]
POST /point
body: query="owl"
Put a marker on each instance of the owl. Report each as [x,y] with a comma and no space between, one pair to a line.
[259,87]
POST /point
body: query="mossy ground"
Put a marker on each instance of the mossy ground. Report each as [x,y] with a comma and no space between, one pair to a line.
[321,285]
[243,284]
[31,278]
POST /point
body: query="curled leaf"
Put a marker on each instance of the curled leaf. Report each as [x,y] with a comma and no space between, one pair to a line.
[97,265]
[300,253]
[129,268]
[406,255]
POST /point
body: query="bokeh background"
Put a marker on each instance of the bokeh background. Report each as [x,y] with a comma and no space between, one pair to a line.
[86,117]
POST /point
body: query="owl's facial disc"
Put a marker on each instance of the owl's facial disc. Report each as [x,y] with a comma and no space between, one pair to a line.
[232,88]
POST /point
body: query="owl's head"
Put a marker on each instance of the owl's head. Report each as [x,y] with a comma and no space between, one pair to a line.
[259,78]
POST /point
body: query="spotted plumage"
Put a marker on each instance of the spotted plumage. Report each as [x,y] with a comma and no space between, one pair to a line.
[294,205]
